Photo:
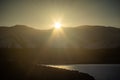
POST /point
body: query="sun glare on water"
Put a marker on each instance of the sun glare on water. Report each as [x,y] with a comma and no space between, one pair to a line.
[61,66]
[57,25]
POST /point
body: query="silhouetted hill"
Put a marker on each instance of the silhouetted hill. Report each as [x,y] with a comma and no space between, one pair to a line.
[91,37]
[83,44]
[11,71]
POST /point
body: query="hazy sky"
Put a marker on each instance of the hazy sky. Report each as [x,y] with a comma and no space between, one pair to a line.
[43,13]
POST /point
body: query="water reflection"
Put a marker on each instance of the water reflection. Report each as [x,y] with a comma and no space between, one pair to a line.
[61,66]
[98,71]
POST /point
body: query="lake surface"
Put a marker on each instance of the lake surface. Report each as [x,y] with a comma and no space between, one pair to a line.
[98,71]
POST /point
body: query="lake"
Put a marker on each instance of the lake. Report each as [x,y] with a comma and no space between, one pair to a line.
[98,71]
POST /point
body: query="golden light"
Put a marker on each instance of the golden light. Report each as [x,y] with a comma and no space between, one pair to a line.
[57,25]
[61,66]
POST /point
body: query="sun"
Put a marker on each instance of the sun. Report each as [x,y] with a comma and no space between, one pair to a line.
[57,25]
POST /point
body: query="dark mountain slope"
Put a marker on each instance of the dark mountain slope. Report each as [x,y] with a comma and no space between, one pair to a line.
[11,71]
[83,44]
[91,37]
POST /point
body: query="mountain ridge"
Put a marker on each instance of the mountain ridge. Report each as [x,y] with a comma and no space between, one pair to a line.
[91,37]
[94,45]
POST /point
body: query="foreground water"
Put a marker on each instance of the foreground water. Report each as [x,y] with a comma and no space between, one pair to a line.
[98,71]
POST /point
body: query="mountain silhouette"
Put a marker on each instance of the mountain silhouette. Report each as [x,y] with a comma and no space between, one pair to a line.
[39,72]
[91,37]
[74,45]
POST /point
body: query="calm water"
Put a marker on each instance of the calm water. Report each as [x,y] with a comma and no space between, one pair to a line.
[98,71]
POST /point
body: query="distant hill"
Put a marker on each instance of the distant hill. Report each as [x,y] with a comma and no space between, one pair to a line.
[74,45]
[90,37]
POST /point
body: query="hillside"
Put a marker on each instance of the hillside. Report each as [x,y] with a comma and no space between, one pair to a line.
[83,44]
[91,37]
[11,71]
